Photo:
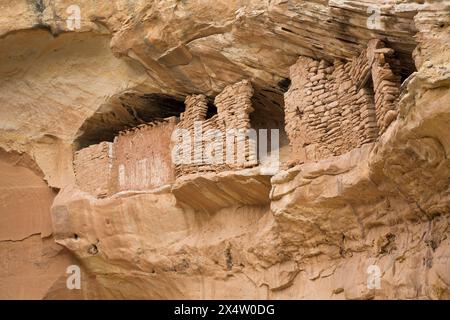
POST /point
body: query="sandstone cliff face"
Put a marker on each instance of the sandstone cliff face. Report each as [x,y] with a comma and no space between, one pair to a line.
[365,145]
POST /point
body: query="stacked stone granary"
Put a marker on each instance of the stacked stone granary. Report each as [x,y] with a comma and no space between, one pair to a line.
[233,109]
[138,159]
[331,109]
[93,168]
[141,157]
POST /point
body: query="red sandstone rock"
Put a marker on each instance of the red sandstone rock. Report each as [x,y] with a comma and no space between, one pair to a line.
[87,175]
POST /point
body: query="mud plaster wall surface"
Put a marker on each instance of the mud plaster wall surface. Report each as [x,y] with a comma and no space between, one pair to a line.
[143,157]
[137,159]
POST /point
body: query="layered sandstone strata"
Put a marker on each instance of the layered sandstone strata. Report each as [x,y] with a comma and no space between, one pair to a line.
[364,89]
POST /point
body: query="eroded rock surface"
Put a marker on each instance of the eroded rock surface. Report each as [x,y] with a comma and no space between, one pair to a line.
[359,92]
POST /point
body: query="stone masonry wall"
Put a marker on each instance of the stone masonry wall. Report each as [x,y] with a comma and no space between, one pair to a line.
[386,85]
[331,109]
[93,168]
[143,155]
[233,109]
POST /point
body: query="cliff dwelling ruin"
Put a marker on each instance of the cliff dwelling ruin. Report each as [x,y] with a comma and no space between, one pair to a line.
[167,149]
[142,157]
[334,108]
[330,109]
